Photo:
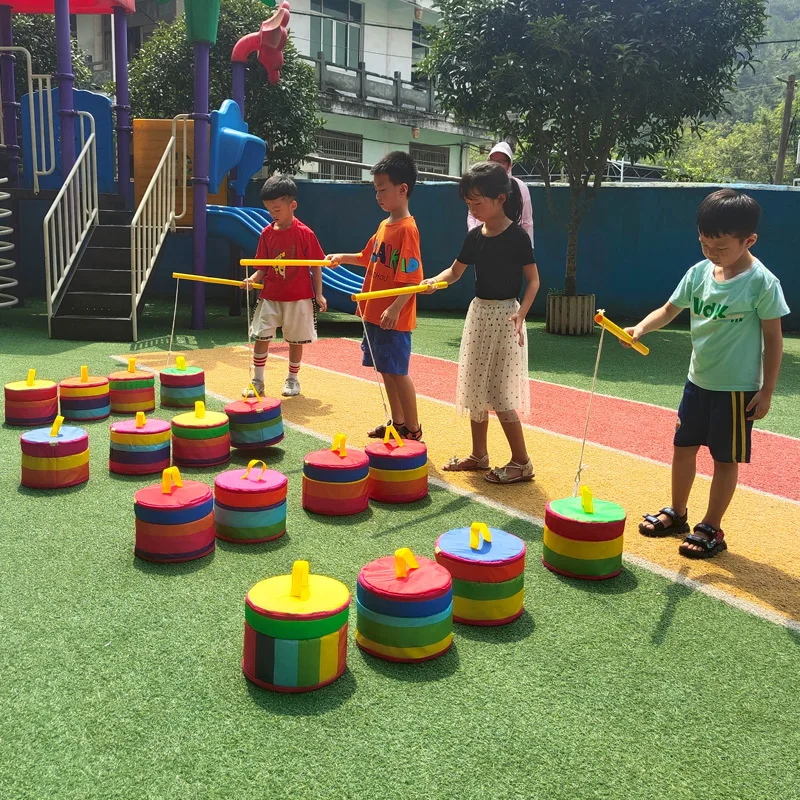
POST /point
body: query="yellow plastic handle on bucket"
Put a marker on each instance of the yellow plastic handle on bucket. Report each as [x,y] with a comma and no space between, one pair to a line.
[180,363]
[300,588]
[339,444]
[140,419]
[251,387]
[404,561]
[391,431]
[57,423]
[587,500]
[252,464]
[200,409]
[476,531]
[84,374]
[31,377]
[170,480]
[132,364]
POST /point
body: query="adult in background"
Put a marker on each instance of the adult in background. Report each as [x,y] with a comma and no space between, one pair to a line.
[503,155]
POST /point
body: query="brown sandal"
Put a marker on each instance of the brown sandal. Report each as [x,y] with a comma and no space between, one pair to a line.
[469,464]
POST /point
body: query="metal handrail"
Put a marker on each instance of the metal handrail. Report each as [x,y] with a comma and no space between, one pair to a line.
[71,217]
[156,216]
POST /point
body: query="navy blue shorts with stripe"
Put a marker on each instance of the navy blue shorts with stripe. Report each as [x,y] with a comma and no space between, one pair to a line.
[717,420]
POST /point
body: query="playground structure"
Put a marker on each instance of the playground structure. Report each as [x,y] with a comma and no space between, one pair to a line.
[102,234]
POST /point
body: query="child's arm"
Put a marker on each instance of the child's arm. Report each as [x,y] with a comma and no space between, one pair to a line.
[256,277]
[316,277]
[451,275]
[773,353]
[345,258]
[392,313]
[654,321]
[531,273]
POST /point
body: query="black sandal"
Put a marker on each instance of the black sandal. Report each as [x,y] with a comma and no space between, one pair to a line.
[712,544]
[406,433]
[679,523]
[379,431]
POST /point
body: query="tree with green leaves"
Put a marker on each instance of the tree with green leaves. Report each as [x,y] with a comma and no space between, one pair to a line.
[582,80]
[37,34]
[286,116]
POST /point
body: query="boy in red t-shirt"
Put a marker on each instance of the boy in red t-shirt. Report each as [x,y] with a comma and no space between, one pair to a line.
[287,299]
[392,258]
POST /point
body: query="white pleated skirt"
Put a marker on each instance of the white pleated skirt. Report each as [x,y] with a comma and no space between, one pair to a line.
[492,366]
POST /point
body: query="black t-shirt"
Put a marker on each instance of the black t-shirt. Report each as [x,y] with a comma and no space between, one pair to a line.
[498,261]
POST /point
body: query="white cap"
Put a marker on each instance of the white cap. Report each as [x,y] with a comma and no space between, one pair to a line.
[505,149]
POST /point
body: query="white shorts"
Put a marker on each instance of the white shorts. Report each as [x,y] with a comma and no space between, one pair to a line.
[295,318]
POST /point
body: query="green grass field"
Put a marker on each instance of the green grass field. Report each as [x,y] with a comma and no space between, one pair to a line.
[122,679]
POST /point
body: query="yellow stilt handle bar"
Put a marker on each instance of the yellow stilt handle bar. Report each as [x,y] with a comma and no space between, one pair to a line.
[423,287]
[283,262]
[601,319]
[185,276]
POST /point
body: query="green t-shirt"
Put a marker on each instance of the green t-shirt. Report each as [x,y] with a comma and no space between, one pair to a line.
[727,343]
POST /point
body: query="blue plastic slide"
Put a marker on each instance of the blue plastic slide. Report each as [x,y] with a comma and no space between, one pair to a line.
[243,226]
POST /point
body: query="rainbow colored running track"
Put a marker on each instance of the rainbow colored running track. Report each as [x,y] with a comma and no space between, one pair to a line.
[628,455]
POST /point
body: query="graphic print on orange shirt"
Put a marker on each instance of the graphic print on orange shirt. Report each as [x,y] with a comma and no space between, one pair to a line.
[393,259]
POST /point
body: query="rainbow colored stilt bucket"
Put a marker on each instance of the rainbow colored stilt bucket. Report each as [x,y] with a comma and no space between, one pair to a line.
[131,390]
[182,386]
[488,570]
[583,537]
[336,481]
[398,470]
[55,457]
[84,399]
[31,402]
[295,631]
[139,446]
[256,422]
[201,438]
[174,520]
[404,608]
[250,506]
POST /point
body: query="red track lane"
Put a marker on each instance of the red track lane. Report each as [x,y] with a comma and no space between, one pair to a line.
[622,425]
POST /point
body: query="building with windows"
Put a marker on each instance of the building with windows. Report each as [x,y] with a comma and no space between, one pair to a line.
[365,55]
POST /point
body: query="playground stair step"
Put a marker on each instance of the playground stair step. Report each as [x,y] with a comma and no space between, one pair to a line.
[94,303]
[115,258]
[97,279]
[111,236]
[85,328]
[116,217]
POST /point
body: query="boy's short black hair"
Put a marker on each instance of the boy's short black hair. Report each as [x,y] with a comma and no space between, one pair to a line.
[277,187]
[728,213]
[400,167]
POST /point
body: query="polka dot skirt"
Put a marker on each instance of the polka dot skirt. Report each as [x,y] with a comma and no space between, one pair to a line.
[492,367]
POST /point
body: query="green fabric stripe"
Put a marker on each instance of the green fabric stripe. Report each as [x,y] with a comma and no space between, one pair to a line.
[404,637]
[572,508]
[250,533]
[308,662]
[258,426]
[581,566]
[200,433]
[145,383]
[488,591]
[291,629]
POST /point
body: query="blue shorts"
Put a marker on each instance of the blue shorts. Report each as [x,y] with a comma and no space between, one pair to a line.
[391,349]
[717,420]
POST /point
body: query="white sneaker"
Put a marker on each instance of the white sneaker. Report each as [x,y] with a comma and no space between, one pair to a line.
[258,385]
[292,386]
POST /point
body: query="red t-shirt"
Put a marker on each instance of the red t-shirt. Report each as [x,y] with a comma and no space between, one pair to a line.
[287,284]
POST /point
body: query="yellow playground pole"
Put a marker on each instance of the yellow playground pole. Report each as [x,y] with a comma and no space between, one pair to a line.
[423,287]
[603,321]
[185,276]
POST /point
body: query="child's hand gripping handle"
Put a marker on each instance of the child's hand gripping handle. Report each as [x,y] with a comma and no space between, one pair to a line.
[601,319]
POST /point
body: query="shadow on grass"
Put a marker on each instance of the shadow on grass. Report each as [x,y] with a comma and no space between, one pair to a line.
[305,704]
[436,669]
[259,548]
[623,583]
[68,490]
[516,631]
[675,593]
[169,570]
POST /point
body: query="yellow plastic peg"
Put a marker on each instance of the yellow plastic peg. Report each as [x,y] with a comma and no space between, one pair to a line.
[255,462]
[132,364]
[300,589]
[170,478]
[180,363]
[587,500]
[84,374]
[476,530]
[31,377]
[57,423]
[391,431]
[252,389]
[200,409]
[404,560]
[338,446]
[140,419]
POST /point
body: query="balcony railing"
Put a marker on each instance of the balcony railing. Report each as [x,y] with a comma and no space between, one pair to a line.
[363,85]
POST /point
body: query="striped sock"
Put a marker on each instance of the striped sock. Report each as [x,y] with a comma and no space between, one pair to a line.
[294,368]
[259,362]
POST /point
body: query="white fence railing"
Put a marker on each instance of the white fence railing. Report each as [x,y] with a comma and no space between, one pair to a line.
[72,216]
[43,153]
[156,215]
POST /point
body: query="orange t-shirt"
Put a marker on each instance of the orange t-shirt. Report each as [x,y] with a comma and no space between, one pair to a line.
[392,258]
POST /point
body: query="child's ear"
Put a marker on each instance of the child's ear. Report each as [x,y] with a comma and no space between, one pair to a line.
[294,206]
[751,240]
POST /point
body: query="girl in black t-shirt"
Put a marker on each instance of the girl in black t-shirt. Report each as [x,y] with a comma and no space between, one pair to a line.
[493,361]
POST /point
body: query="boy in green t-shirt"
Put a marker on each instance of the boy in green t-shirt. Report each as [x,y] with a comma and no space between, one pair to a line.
[736,305]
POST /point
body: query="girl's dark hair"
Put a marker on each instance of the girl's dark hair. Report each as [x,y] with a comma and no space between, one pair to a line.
[491,180]
[277,187]
[728,213]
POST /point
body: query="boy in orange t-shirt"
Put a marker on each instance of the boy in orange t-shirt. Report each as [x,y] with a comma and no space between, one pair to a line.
[392,259]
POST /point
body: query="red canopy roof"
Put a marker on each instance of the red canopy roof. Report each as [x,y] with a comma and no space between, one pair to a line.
[75,6]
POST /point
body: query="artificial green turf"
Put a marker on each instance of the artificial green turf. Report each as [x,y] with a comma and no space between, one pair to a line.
[121,679]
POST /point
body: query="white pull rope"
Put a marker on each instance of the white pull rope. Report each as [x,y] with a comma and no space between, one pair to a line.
[581,465]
